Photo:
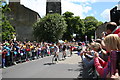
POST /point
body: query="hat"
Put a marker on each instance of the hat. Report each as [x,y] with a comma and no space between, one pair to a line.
[7,44]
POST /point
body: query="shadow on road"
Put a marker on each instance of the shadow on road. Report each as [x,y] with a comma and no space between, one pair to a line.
[80,70]
[49,63]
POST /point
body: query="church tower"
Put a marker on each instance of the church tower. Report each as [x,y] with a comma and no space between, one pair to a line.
[53,6]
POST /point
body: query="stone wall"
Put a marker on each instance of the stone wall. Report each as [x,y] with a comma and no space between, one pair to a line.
[23,20]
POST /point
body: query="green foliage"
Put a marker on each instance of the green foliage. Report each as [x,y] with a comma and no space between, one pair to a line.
[91,25]
[0,20]
[7,29]
[81,27]
[68,14]
[50,28]
[74,25]
[99,23]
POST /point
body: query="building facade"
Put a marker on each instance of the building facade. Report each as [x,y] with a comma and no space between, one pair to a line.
[23,20]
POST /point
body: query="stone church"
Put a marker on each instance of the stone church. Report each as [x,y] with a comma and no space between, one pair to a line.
[23,20]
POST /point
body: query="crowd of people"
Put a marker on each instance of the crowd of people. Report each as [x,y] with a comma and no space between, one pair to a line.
[101,58]
[14,52]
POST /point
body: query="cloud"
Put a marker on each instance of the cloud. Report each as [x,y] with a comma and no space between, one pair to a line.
[77,9]
[80,0]
[92,14]
[92,1]
[87,8]
[107,0]
[106,14]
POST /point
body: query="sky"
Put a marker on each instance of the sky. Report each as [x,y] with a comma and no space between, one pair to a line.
[100,9]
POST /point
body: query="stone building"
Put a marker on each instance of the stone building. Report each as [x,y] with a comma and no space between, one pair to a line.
[23,20]
[100,29]
[53,6]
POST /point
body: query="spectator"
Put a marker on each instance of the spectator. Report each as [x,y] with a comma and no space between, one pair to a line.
[4,52]
[112,28]
[0,55]
[103,49]
[88,61]
[71,49]
[48,49]
[28,52]
[112,43]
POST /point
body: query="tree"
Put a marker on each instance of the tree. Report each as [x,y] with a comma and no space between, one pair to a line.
[99,23]
[7,28]
[81,31]
[50,28]
[0,20]
[90,26]
[69,32]
[74,25]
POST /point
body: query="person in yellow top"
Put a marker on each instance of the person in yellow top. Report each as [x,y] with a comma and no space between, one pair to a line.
[24,46]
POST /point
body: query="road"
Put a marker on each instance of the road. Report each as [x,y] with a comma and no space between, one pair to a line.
[43,68]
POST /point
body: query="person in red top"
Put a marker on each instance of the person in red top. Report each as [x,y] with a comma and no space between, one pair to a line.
[71,49]
[112,28]
[4,52]
[107,69]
